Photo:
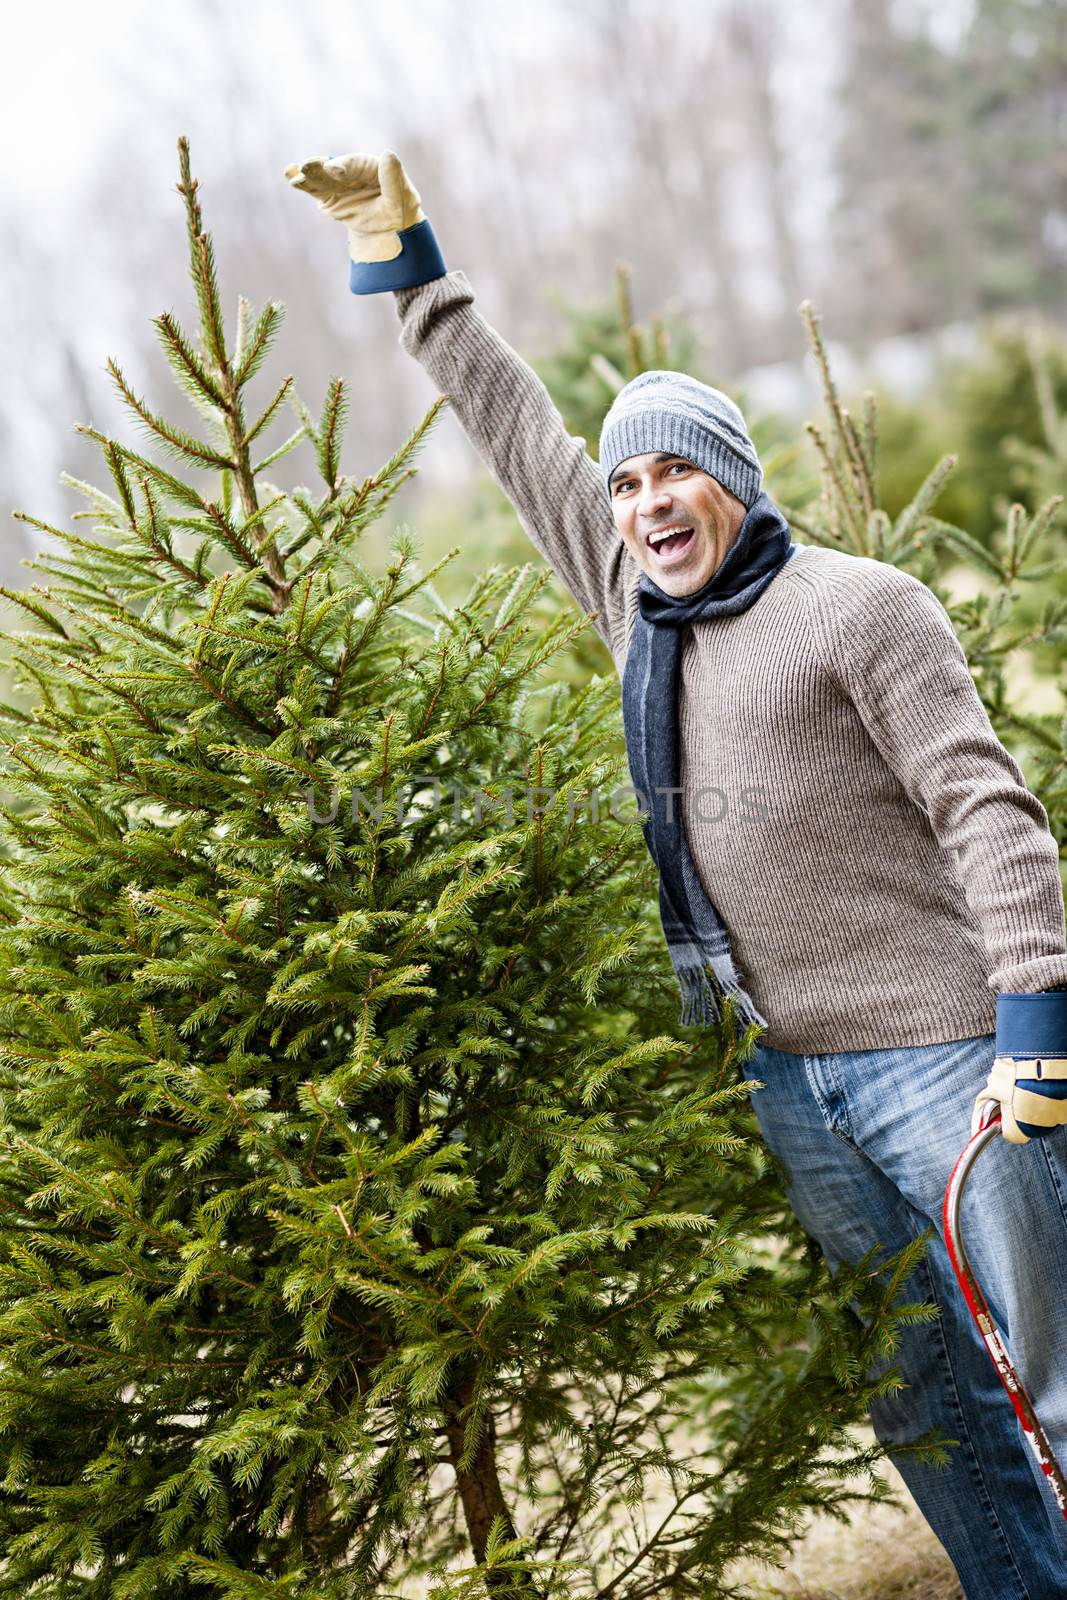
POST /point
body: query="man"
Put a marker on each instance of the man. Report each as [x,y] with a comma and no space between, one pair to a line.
[891,909]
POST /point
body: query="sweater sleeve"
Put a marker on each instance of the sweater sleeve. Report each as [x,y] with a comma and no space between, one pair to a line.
[897,656]
[508,415]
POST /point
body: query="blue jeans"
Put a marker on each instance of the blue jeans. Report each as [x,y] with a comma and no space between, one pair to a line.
[868,1139]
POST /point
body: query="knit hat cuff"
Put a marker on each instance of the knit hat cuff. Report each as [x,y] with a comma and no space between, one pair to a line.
[660,428]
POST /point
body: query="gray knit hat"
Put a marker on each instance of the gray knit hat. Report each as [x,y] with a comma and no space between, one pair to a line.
[673,412]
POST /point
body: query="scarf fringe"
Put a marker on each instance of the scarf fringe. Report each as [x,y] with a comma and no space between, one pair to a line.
[701,1003]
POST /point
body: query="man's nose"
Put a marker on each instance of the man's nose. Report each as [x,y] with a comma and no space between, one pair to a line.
[652,498]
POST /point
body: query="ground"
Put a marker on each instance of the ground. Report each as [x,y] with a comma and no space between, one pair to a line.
[882,1555]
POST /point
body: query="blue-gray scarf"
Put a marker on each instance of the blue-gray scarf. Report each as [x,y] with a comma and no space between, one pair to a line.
[695,934]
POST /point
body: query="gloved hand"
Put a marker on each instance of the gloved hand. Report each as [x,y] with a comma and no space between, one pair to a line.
[390,241]
[1028,1080]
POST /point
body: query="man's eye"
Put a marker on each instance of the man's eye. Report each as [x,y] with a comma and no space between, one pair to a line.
[626,483]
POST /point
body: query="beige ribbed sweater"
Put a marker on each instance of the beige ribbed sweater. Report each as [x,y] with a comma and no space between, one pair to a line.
[880,866]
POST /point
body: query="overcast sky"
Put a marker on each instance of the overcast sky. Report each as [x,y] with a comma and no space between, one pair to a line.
[93,98]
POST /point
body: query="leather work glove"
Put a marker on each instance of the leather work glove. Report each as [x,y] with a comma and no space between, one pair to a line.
[391,244]
[1028,1080]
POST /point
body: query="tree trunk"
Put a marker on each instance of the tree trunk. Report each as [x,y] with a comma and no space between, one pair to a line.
[480,1493]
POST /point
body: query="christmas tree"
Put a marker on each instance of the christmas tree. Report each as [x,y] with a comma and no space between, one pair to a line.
[366,1219]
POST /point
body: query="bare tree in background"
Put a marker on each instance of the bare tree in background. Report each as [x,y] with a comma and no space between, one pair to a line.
[627,134]
[548,144]
[757,45]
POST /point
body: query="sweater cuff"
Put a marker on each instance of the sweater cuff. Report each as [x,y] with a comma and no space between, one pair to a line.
[419,261]
[1036,976]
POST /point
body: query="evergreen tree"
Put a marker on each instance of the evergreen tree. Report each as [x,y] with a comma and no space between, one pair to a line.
[1040,453]
[952,186]
[364,1215]
[999,406]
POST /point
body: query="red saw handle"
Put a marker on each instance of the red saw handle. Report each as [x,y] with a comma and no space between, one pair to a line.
[976,1303]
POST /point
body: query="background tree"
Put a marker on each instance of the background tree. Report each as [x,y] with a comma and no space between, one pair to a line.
[952,182]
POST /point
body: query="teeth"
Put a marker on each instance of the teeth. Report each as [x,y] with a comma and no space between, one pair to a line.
[665,533]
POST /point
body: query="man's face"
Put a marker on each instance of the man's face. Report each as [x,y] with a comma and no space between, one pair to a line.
[653,492]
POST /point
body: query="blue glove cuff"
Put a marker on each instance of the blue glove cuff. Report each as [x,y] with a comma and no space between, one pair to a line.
[420,259]
[1032,1024]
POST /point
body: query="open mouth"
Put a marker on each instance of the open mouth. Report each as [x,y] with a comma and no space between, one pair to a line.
[672,547]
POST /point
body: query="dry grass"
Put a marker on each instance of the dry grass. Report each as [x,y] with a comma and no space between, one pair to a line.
[882,1555]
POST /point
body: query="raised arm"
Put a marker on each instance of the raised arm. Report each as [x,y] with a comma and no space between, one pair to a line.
[501,403]
[508,415]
